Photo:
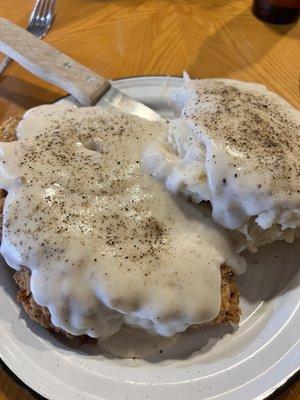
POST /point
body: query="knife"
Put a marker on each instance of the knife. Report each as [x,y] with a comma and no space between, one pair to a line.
[53,66]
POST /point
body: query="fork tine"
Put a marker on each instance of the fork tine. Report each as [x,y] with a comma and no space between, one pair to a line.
[35,11]
[47,20]
[41,17]
[51,11]
[43,11]
[52,7]
[46,9]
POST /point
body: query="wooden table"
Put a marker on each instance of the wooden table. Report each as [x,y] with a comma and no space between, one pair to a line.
[208,38]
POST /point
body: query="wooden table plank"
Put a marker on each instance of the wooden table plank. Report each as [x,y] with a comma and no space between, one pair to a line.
[211,38]
[10,390]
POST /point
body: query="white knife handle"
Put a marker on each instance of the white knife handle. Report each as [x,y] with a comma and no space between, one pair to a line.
[50,64]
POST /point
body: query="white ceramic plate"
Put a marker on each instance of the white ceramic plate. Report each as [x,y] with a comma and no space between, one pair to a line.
[245,363]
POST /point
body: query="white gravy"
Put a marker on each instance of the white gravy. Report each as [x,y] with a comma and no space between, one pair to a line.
[237,145]
[106,245]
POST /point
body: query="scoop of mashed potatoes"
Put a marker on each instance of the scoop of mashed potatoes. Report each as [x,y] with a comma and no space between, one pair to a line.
[236,145]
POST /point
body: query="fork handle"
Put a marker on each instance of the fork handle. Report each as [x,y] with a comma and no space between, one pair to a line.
[4,64]
[51,65]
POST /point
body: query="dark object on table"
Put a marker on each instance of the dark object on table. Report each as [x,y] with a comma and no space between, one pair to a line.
[277,11]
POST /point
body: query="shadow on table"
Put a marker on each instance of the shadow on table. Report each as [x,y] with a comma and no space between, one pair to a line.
[235,47]
[23,93]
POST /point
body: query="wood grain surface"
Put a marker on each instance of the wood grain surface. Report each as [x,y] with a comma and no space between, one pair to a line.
[118,38]
[51,64]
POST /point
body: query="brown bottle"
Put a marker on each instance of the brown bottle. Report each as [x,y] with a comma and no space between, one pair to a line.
[277,11]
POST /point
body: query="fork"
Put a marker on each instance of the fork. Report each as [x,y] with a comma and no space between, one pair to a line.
[39,23]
